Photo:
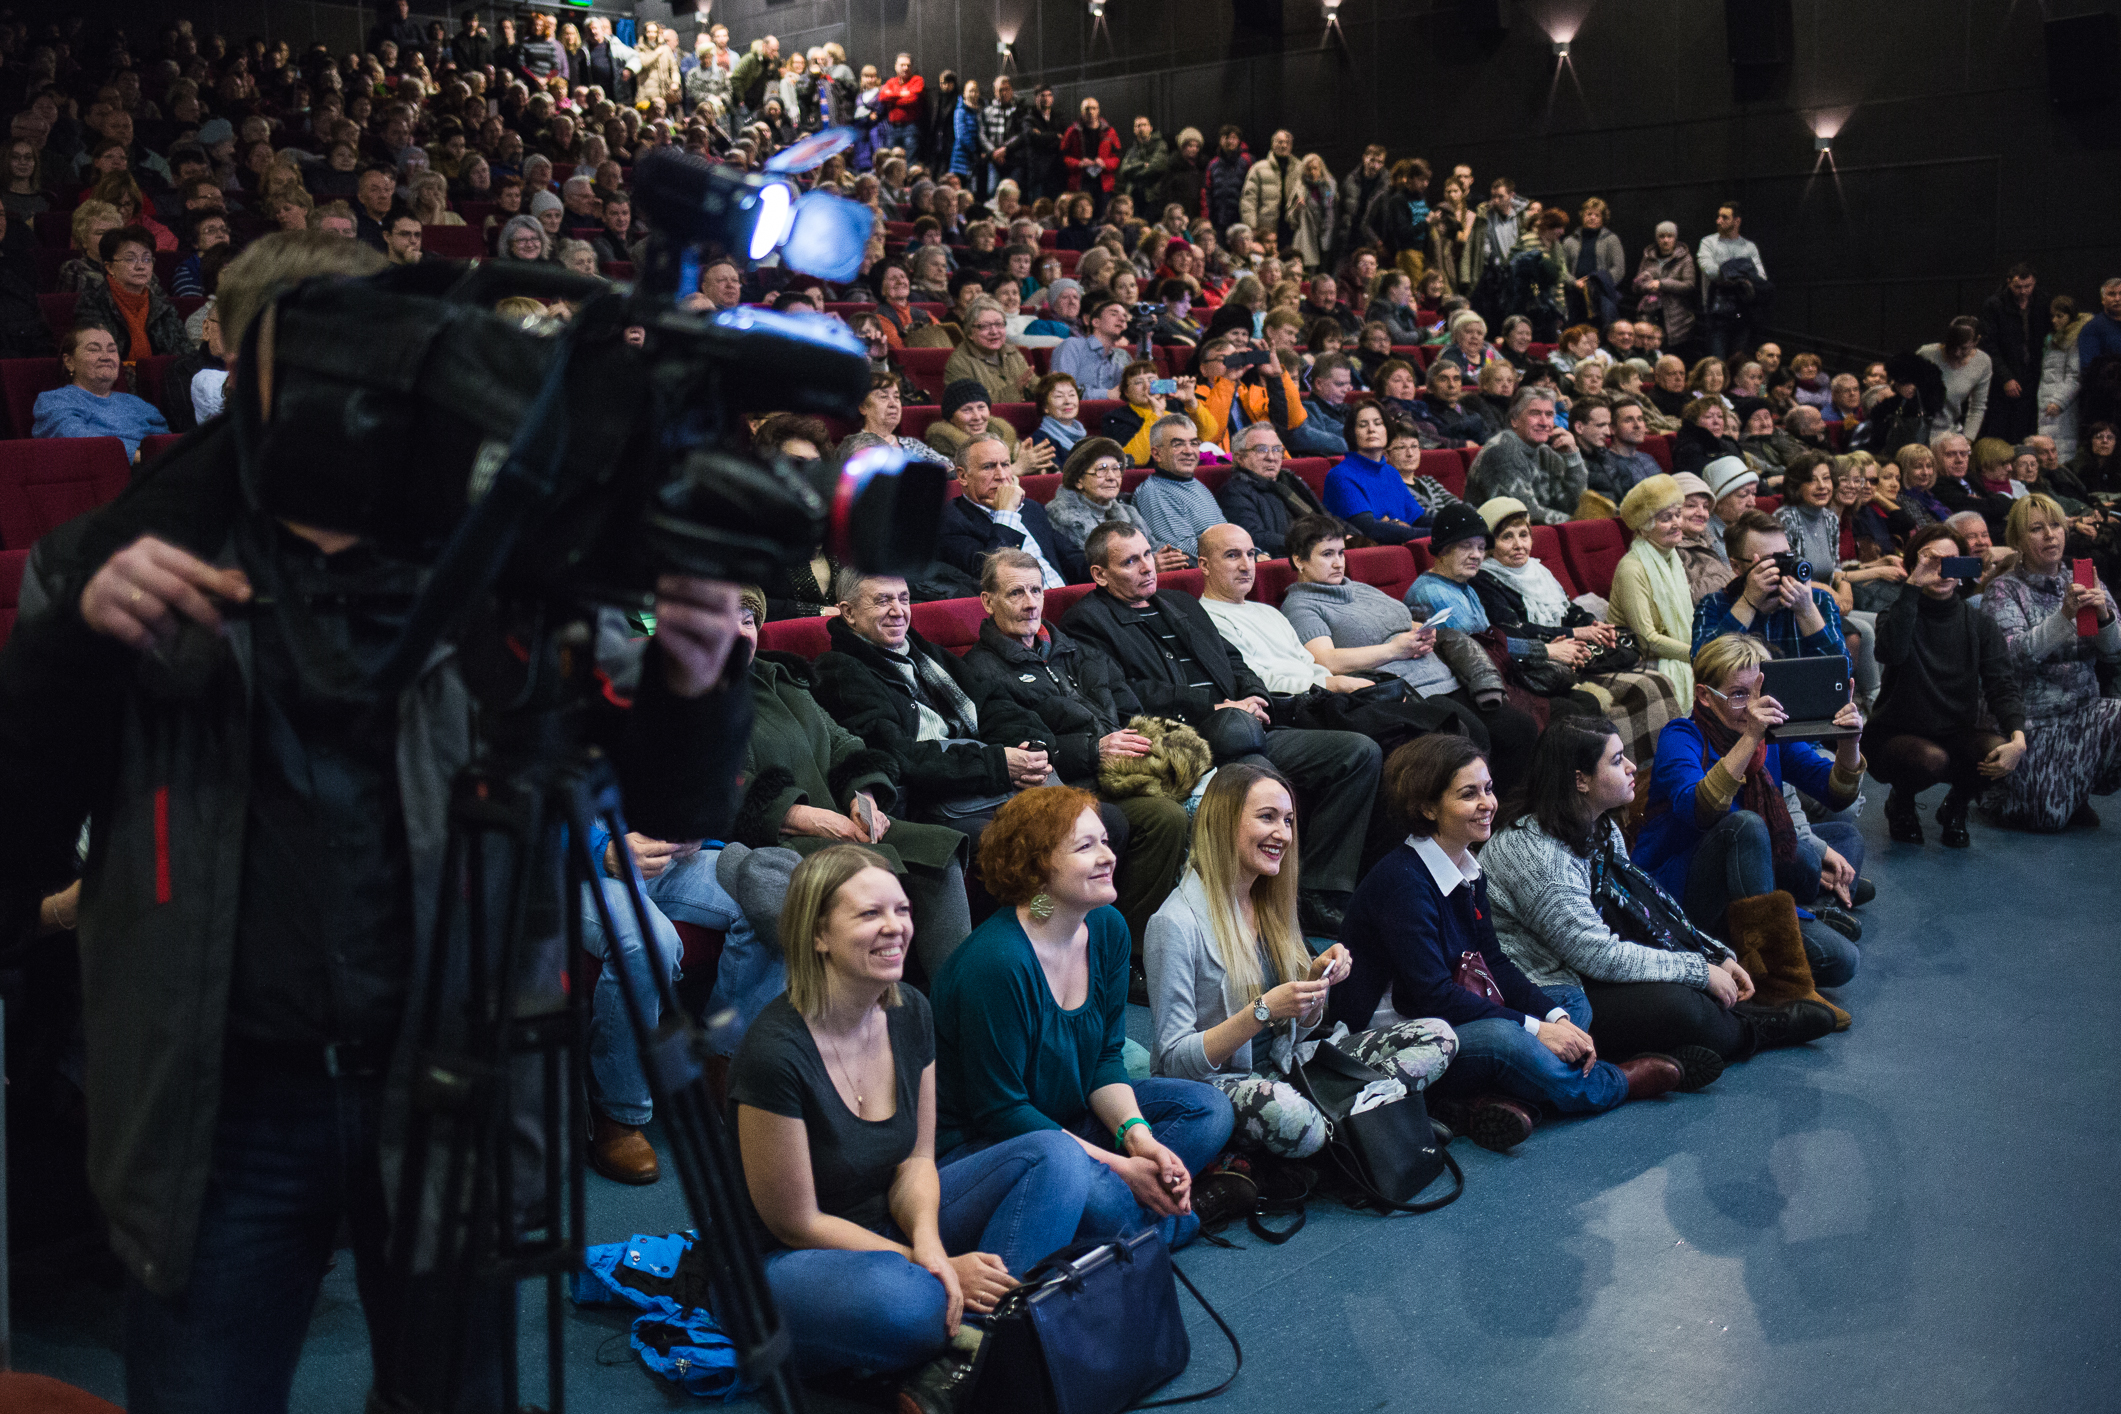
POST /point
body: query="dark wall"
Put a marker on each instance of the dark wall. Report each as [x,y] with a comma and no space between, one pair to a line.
[1949,164]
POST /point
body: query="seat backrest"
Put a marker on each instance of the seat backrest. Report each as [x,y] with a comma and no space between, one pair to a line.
[11,566]
[1593,548]
[1095,411]
[453,242]
[1273,581]
[56,229]
[1424,355]
[475,212]
[45,483]
[150,375]
[1389,567]
[21,380]
[1021,416]
[949,623]
[1311,471]
[1184,581]
[1040,487]
[1448,466]
[1068,261]
[916,418]
[1213,477]
[1660,449]
[925,367]
[1546,548]
[1060,601]
[806,638]
[58,312]
[1767,505]
[1041,358]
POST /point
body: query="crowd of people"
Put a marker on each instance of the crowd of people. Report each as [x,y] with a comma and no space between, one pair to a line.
[1277,825]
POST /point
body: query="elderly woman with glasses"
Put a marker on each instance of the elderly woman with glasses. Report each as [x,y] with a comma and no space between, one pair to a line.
[1090,493]
[130,302]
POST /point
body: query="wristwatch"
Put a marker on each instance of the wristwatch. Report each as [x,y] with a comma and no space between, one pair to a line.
[1261,1012]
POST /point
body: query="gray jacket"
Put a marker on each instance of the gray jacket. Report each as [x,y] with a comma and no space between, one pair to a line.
[1072,514]
[1187,990]
[1540,891]
[1611,256]
[1548,483]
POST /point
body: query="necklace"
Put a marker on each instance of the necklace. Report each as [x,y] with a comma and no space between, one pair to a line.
[847,1074]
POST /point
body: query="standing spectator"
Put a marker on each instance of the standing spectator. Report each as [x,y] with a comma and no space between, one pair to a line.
[471,47]
[1667,290]
[963,145]
[2012,335]
[1187,179]
[1494,239]
[540,57]
[939,123]
[1733,283]
[1044,134]
[1223,198]
[1090,152]
[1317,212]
[1001,130]
[2060,376]
[1363,194]
[394,26]
[1146,167]
[1595,265]
[752,79]
[1968,376]
[1272,196]
[1532,461]
[659,79]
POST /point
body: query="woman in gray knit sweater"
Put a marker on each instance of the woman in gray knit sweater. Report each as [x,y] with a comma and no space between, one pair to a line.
[1572,911]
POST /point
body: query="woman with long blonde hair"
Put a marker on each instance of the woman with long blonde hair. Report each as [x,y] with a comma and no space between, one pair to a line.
[1234,992]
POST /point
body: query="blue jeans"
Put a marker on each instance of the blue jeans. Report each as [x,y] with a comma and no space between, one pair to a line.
[1193,1121]
[1020,1199]
[904,136]
[1311,439]
[1734,860]
[1498,1054]
[1842,837]
[688,892]
[294,1158]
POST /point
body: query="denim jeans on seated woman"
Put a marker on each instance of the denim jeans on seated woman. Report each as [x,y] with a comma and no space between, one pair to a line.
[686,892]
[1499,1055]
[1020,1199]
[1735,860]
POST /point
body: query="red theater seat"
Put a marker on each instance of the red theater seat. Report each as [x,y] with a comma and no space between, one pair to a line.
[1546,548]
[1660,449]
[21,380]
[925,367]
[453,242]
[46,483]
[1592,549]
[1389,567]
[806,638]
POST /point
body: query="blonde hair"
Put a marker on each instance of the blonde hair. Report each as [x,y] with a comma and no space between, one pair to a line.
[2018,528]
[279,260]
[1722,659]
[86,215]
[808,903]
[1275,932]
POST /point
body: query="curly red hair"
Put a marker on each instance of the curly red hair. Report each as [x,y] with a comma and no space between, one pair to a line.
[1016,851]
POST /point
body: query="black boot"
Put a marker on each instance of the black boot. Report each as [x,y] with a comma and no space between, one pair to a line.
[1901,821]
[1951,822]
[1791,1025]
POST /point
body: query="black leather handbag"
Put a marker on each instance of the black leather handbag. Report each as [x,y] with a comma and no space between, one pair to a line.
[1091,1329]
[1389,1152]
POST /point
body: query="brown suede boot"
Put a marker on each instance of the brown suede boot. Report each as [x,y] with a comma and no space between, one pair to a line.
[620,1152]
[1770,946]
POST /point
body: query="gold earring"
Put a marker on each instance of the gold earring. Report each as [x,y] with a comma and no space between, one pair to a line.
[1041,907]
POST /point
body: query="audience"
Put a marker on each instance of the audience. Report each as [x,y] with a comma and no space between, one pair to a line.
[1650,598]
[1261,495]
[129,301]
[1234,992]
[1367,492]
[1174,507]
[1412,923]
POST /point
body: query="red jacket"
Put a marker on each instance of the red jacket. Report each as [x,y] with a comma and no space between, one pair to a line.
[901,97]
[1074,156]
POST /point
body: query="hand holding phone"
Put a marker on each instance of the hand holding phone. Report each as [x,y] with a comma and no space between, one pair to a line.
[1163,387]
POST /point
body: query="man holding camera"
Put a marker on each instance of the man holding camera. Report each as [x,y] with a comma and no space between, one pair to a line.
[1771,596]
[191,676]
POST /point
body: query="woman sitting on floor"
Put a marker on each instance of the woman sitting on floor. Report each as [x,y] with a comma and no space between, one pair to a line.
[1944,663]
[872,1254]
[1411,922]
[1232,988]
[1031,1016]
[1718,835]
[1520,596]
[2074,733]
[1572,910]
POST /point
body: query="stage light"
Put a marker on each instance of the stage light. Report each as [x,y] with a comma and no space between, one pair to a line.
[1332,8]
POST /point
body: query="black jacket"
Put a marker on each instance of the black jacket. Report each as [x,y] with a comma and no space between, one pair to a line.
[2013,337]
[859,687]
[969,535]
[1106,624]
[1694,448]
[1073,688]
[1265,508]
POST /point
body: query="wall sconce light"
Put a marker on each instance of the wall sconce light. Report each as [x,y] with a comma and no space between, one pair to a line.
[1332,7]
[1822,144]
[1001,47]
[1561,48]
[1097,9]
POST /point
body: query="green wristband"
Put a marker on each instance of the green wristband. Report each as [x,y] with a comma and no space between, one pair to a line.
[1119,1136]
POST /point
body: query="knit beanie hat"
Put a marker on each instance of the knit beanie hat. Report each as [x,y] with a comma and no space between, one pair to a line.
[545,201]
[964,390]
[1499,509]
[1692,485]
[1651,495]
[1746,407]
[1054,291]
[1455,522]
[1726,474]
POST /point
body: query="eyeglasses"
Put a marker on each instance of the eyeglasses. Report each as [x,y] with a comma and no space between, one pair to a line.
[1103,468]
[138,257]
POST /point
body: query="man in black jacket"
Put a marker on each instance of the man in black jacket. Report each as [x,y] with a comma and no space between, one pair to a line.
[260,892]
[962,747]
[1260,495]
[1044,131]
[471,47]
[995,514]
[1086,706]
[1178,665]
[2014,322]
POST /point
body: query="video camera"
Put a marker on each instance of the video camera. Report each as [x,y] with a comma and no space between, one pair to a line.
[586,464]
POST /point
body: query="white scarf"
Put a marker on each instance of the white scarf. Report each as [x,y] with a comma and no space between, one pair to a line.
[1546,603]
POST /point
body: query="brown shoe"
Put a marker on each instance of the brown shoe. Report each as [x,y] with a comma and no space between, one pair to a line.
[620,1152]
[1651,1074]
[1498,1122]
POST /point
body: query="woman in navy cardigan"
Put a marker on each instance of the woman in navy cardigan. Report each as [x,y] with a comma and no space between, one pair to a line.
[1418,912]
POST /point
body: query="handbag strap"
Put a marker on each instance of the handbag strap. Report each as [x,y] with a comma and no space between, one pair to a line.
[1228,1334]
[1376,1199]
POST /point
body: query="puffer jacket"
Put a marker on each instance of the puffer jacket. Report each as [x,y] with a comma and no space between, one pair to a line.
[1072,687]
[1267,200]
[1222,198]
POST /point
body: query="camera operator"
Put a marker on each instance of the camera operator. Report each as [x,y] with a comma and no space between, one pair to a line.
[266,859]
[1767,599]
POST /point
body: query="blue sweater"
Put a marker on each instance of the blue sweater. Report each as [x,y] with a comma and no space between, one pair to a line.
[1009,1060]
[1665,845]
[73,411]
[1405,933]
[1363,492]
[2101,336]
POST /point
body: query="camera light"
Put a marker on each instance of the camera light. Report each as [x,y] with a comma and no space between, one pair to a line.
[1822,144]
[827,236]
[1561,48]
[774,205]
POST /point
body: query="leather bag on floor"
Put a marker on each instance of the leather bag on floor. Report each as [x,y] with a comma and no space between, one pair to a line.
[1390,1150]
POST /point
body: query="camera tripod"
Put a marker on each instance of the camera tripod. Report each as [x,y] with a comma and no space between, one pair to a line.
[499,1049]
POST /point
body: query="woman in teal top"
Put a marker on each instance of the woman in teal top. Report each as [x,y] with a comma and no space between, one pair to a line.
[1030,1018]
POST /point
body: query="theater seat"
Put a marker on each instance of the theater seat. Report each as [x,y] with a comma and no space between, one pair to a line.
[1272,581]
[58,312]
[806,638]
[925,367]
[465,242]
[1023,417]
[21,380]
[1311,471]
[1546,548]
[155,445]
[949,623]
[55,229]
[916,418]
[1389,567]
[1448,467]
[1040,488]
[46,483]
[1593,548]
[1660,449]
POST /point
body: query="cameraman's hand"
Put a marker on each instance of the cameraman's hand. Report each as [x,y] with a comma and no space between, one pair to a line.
[139,594]
[696,624]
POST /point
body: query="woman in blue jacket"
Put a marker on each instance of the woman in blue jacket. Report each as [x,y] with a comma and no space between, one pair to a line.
[1717,834]
[964,131]
[1419,913]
